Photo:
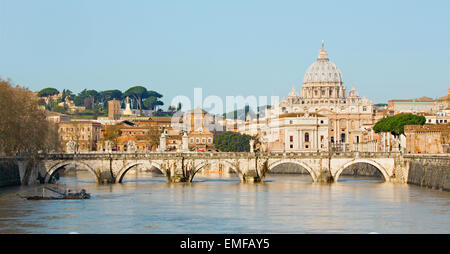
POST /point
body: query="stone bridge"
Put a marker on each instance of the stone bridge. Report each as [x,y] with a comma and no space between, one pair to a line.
[182,167]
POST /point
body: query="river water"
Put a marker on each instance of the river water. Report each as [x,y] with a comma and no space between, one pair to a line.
[283,204]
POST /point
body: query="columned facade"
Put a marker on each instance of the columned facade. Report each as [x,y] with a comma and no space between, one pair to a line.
[349,116]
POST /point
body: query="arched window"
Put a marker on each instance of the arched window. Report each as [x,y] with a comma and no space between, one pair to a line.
[307,137]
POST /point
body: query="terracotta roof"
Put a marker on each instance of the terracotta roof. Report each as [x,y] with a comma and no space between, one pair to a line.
[444,98]
[420,99]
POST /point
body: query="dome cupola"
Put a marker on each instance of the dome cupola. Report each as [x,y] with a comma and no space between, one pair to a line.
[323,71]
[323,79]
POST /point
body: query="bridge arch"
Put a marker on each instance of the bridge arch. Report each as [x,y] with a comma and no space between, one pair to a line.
[309,169]
[123,171]
[371,162]
[230,166]
[58,166]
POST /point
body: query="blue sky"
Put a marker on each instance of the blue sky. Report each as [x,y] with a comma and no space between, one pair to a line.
[386,49]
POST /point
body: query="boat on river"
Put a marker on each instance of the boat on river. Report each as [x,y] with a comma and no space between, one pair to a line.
[66,194]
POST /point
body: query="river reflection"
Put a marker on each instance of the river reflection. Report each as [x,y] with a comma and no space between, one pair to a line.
[145,203]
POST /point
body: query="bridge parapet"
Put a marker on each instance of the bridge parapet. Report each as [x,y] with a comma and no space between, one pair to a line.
[177,164]
[216,155]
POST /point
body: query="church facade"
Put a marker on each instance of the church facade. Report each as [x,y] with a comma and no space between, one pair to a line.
[349,118]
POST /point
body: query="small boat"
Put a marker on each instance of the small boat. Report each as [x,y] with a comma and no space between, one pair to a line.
[62,195]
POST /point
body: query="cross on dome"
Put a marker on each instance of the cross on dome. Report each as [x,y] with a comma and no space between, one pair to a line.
[323,53]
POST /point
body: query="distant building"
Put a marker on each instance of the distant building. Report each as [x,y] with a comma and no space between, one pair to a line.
[443,103]
[55,117]
[323,94]
[296,132]
[418,105]
[84,134]
[427,138]
[142,134]
[198,124]
[113,109]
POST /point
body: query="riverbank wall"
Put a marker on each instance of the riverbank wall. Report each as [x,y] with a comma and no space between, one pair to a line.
[9,173]
[429,170]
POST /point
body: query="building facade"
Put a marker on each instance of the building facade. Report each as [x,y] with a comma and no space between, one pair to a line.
[114,109]
[81,136]
[428,138]
[323,93]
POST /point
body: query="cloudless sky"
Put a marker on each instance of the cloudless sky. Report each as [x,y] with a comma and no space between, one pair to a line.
[387,49]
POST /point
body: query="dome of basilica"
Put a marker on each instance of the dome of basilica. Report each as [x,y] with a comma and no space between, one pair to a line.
[323,71]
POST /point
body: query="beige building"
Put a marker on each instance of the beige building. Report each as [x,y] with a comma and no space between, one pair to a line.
[113,109]
[197,123]
[55,117]
[296,132]
[429,138]
[418,105]
[323,93]
[83,134]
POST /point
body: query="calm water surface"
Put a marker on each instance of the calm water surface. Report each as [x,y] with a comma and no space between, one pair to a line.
[283,204]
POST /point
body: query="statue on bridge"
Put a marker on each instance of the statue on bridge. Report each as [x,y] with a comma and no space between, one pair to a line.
[395,145]
[131,146]
[252,144]
[162,142]
[70,146]
[108,146]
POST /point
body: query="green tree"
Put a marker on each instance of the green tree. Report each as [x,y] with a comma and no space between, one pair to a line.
[152,102]
[67,94]
[232,142]
[395,124]
[139,93]
[48,92]
[80,99]
[105,96]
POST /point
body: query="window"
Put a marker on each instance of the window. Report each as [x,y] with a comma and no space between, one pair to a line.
[203,140]
[291,146]
[291,138]
[307,137]
[197,140]
[209,140]
[192,140]
[321,121]
[343,137]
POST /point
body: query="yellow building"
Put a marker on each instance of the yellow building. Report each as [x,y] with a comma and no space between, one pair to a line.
[82,134]
[323,92]
[113,109]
